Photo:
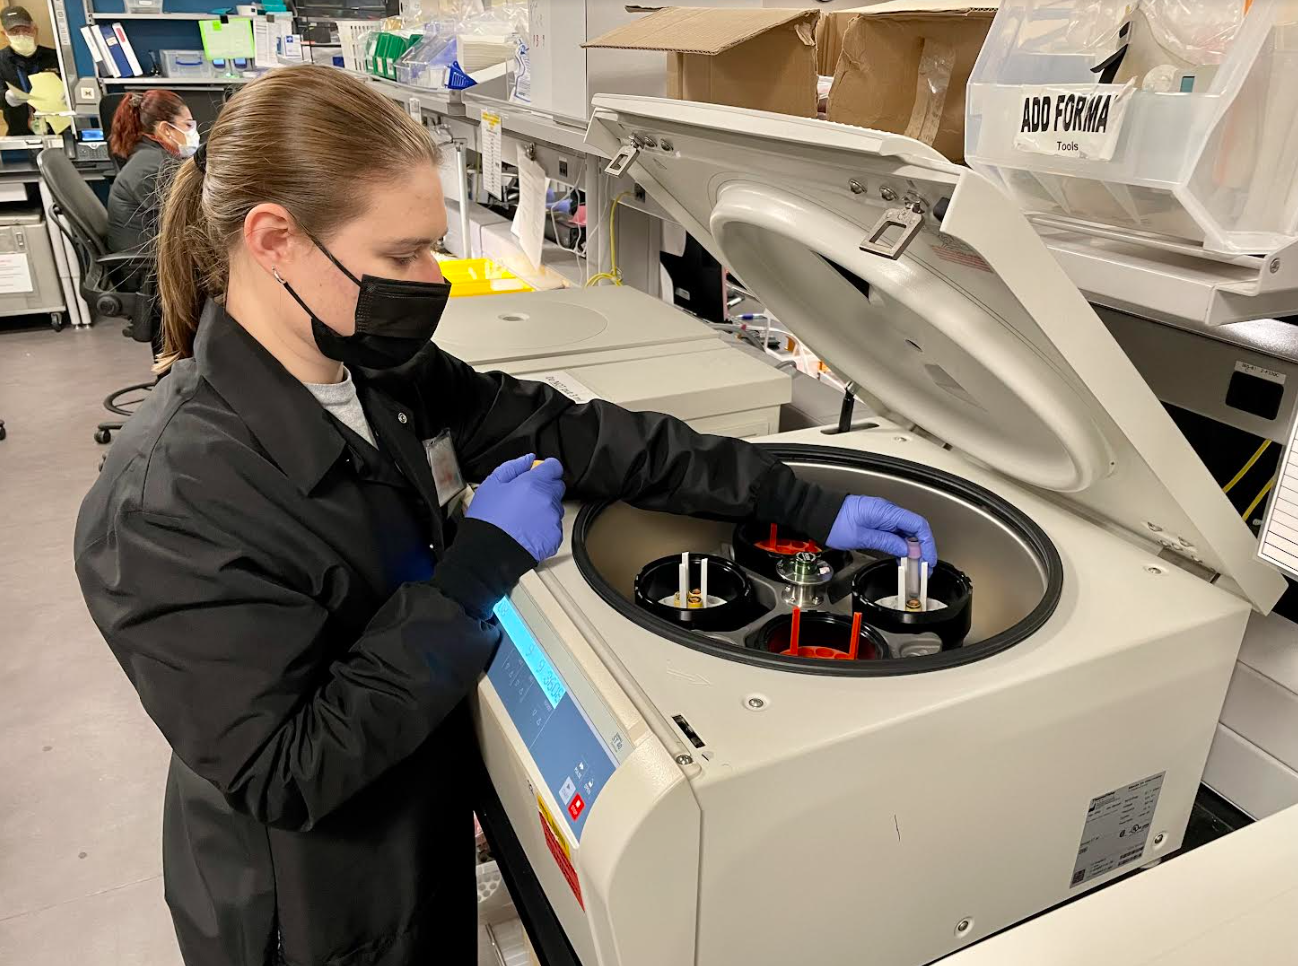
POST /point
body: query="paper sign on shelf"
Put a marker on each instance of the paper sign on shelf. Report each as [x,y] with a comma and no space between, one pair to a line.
[1278,538]
[15,274]
[224,41]
[536,24]
[529,217]
[491,165]
[263,36]
[1072,120]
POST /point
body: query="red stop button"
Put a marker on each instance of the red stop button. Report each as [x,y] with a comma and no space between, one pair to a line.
[576,806]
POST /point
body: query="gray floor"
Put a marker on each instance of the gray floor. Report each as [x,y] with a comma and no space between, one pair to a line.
[81,766]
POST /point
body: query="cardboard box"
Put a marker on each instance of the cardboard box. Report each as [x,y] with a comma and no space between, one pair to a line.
[758,58]
[829,39]
[904,67]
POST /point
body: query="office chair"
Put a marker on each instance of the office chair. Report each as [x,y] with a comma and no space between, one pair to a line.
[83,219]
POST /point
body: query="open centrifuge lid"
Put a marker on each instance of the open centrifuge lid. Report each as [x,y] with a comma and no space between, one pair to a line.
[969,327]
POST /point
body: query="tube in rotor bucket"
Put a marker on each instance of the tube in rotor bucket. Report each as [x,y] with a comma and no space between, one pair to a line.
[914,577]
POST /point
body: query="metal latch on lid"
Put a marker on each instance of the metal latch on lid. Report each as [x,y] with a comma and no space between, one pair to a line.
[909,219]
[622,160]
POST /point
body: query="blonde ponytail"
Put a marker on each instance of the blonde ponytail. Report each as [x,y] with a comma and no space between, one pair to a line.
[184,260]
[309,138]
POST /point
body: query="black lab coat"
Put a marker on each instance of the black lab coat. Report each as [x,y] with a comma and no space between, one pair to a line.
[303,625]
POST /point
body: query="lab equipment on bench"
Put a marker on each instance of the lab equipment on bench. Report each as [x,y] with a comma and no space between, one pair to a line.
[616,343]
[672,787]
[1231,901]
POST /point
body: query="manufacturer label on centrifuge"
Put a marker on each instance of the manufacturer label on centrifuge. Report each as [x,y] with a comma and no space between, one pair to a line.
[566,383]
[1117,826]
[1270,375]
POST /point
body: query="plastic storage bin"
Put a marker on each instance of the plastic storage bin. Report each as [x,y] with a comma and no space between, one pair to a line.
[143,6]
[184,63]
[1199,145]
[353,36]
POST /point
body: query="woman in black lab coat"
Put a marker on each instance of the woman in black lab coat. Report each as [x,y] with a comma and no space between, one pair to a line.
[270,558]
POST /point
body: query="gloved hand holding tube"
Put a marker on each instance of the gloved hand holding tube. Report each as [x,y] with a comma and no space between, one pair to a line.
[524,502]
[872,523]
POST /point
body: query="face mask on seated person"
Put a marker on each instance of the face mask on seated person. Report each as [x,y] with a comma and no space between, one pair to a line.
[394,319]
[23,46]
[190,147]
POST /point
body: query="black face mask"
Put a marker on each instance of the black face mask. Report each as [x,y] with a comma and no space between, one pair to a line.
[394,319]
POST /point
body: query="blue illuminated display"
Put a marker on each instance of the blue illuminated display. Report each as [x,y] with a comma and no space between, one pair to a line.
[570,755]
[531,653]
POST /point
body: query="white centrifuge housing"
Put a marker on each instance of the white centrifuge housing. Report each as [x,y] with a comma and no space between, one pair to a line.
[619,344]
[686,798]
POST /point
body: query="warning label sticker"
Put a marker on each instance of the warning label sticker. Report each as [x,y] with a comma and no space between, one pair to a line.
[557,843]
[954,250]
[1117,826]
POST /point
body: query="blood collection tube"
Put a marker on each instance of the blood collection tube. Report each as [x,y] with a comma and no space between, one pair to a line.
[914,577]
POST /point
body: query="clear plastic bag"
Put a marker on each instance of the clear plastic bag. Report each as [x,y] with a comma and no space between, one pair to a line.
[1199,32]
[1073,26]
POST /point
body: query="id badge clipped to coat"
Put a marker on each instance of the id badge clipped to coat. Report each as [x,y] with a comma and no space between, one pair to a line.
[446,470]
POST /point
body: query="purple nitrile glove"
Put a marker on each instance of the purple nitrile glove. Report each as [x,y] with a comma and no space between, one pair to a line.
[526,503]
[871,523]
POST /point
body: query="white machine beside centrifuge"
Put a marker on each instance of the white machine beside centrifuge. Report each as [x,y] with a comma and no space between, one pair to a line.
[1234,900]
[619,344]
[712,795]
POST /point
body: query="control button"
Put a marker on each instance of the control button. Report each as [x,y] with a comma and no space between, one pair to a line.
[575,807]
[567,790]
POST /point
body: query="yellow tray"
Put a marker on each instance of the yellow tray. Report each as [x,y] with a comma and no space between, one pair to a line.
[480,276]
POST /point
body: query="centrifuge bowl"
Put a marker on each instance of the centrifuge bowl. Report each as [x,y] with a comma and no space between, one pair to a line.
[1015,569]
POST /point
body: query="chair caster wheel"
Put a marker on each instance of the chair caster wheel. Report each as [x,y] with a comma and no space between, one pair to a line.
[103,436]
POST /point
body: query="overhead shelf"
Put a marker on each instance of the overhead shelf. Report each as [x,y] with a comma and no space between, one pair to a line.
[442,102]
[155,16]
[173,81]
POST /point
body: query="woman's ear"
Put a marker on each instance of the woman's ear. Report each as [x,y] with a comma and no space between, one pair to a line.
[164,133]
[271,237]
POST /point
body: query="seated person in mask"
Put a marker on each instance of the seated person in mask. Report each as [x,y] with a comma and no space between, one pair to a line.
[151,132]
[19,62]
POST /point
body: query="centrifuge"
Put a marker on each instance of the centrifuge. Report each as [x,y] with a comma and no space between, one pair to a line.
[613,342]
[686,788]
